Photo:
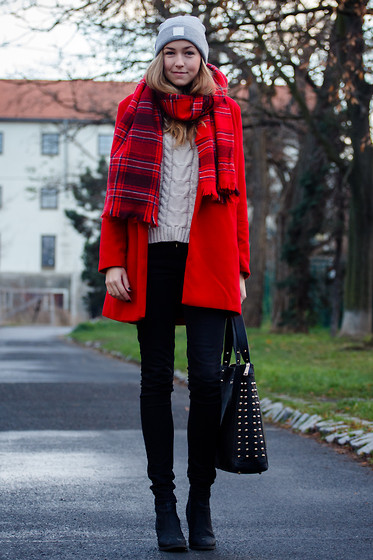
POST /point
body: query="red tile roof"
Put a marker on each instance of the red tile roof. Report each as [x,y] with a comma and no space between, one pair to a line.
[282,100]
[57,100]
[88,100]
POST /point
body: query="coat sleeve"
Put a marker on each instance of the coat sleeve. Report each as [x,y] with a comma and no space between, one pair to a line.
[242,218]
[113,242]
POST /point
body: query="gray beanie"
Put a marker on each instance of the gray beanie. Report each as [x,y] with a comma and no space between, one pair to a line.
[189,28]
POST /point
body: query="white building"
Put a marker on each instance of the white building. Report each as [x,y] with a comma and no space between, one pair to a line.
[50,132]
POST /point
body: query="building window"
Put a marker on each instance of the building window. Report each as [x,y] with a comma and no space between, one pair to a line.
[50,144]
[48,251]
[48,197]
[104,144]
[1,142]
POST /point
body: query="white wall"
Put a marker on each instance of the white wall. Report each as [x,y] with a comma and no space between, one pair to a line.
[23,171]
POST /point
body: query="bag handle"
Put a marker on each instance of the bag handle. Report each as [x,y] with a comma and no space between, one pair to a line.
[236,339]
[228,343]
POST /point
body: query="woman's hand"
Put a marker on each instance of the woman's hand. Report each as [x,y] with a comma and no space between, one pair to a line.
[242,288]
[117,283]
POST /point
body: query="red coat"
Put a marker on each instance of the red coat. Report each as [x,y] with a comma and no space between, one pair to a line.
[218,248]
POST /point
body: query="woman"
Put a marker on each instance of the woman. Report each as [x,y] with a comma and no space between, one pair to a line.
[174,247]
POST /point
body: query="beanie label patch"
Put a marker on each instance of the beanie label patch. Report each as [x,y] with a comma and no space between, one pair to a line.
[178,31]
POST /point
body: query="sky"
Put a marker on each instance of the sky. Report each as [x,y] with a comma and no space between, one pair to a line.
[62,53]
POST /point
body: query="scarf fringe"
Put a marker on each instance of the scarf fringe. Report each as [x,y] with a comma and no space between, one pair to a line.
[228,190]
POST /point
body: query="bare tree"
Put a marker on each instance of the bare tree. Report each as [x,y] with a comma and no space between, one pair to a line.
[318,46]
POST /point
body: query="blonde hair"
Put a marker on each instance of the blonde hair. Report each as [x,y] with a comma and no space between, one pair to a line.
[203,84]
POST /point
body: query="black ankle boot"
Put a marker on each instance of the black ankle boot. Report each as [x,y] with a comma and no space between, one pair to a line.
[201,535]
[167,526]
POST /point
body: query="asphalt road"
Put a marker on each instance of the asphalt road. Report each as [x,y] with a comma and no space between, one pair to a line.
[73,479]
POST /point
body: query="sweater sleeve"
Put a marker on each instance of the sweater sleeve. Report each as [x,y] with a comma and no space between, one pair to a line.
[242,218]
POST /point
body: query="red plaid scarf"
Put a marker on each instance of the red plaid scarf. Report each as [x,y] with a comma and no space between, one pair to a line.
[136,155]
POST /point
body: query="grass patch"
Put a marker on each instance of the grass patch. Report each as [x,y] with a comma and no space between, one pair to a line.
[112,336]
[313,372]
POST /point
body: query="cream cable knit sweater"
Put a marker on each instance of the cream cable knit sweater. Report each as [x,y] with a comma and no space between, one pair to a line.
[178,189]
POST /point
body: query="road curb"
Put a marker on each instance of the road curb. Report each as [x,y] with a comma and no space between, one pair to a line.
[332,431]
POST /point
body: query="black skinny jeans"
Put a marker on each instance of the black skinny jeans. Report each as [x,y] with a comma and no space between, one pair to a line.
[156,334]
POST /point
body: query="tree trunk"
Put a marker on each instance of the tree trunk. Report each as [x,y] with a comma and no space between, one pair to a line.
[298,224]
[357,317]
[253,306]
[338,268]
[281,295]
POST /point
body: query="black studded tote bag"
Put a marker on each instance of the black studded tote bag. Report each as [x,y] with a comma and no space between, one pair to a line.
[241,446]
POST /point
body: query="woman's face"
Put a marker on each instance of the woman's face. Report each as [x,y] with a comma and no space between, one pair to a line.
[181,62]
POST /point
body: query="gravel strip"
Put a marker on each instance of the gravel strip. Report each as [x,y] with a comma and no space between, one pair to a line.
[333,431]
